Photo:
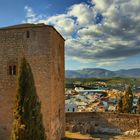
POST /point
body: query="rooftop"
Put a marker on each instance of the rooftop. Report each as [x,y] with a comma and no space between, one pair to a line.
[29,25]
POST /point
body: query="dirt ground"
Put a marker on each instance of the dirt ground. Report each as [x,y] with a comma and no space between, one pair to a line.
[78,136]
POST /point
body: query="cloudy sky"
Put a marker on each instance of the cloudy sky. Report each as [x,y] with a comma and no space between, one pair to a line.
[98,33]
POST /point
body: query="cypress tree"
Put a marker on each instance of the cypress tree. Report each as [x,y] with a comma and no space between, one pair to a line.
[127,100]
[27,123]
[120,104]
[138,106]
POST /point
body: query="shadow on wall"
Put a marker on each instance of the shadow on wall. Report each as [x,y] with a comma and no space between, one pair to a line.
[95,123]
[3,132]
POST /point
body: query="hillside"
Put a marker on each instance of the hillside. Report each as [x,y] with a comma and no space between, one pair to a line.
[102,73]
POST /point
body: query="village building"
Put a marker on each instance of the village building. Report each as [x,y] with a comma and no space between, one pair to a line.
[71,107]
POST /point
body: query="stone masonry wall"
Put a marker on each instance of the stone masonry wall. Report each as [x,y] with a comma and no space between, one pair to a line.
[94,122]
[58,99]
[38,50]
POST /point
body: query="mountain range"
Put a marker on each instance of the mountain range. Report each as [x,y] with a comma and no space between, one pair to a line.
[101,73]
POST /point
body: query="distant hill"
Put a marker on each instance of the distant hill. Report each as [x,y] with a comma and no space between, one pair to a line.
[101,73]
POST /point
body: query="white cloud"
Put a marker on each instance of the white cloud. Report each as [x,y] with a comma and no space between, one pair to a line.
[116,37]
[83,12]
[29,12]
[62,23]
[102,5]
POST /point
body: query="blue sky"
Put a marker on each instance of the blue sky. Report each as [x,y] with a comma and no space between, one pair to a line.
[98,33]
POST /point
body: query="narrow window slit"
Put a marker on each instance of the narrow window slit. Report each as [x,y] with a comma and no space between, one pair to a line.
[28,34]
[12,70]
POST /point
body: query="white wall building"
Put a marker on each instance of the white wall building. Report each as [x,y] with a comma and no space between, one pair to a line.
[71,107]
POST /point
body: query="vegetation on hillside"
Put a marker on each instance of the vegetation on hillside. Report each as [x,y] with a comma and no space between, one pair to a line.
[27,123]
[109,81]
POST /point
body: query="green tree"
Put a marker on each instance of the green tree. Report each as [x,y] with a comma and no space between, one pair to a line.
[120,104]
[138,106]
[127,100]
[27,123]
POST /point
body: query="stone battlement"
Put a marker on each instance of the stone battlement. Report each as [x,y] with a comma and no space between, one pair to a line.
[92,122]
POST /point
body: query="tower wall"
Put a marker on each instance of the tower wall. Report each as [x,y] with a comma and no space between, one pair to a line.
[41,46]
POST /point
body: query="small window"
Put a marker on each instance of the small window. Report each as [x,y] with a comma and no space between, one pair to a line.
[59,113]
[73,109]
[12,70]
[28,34]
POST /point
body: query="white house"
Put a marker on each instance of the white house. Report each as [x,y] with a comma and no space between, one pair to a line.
[71,107]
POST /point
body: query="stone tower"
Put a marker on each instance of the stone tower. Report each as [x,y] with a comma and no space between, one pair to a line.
[43,47]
